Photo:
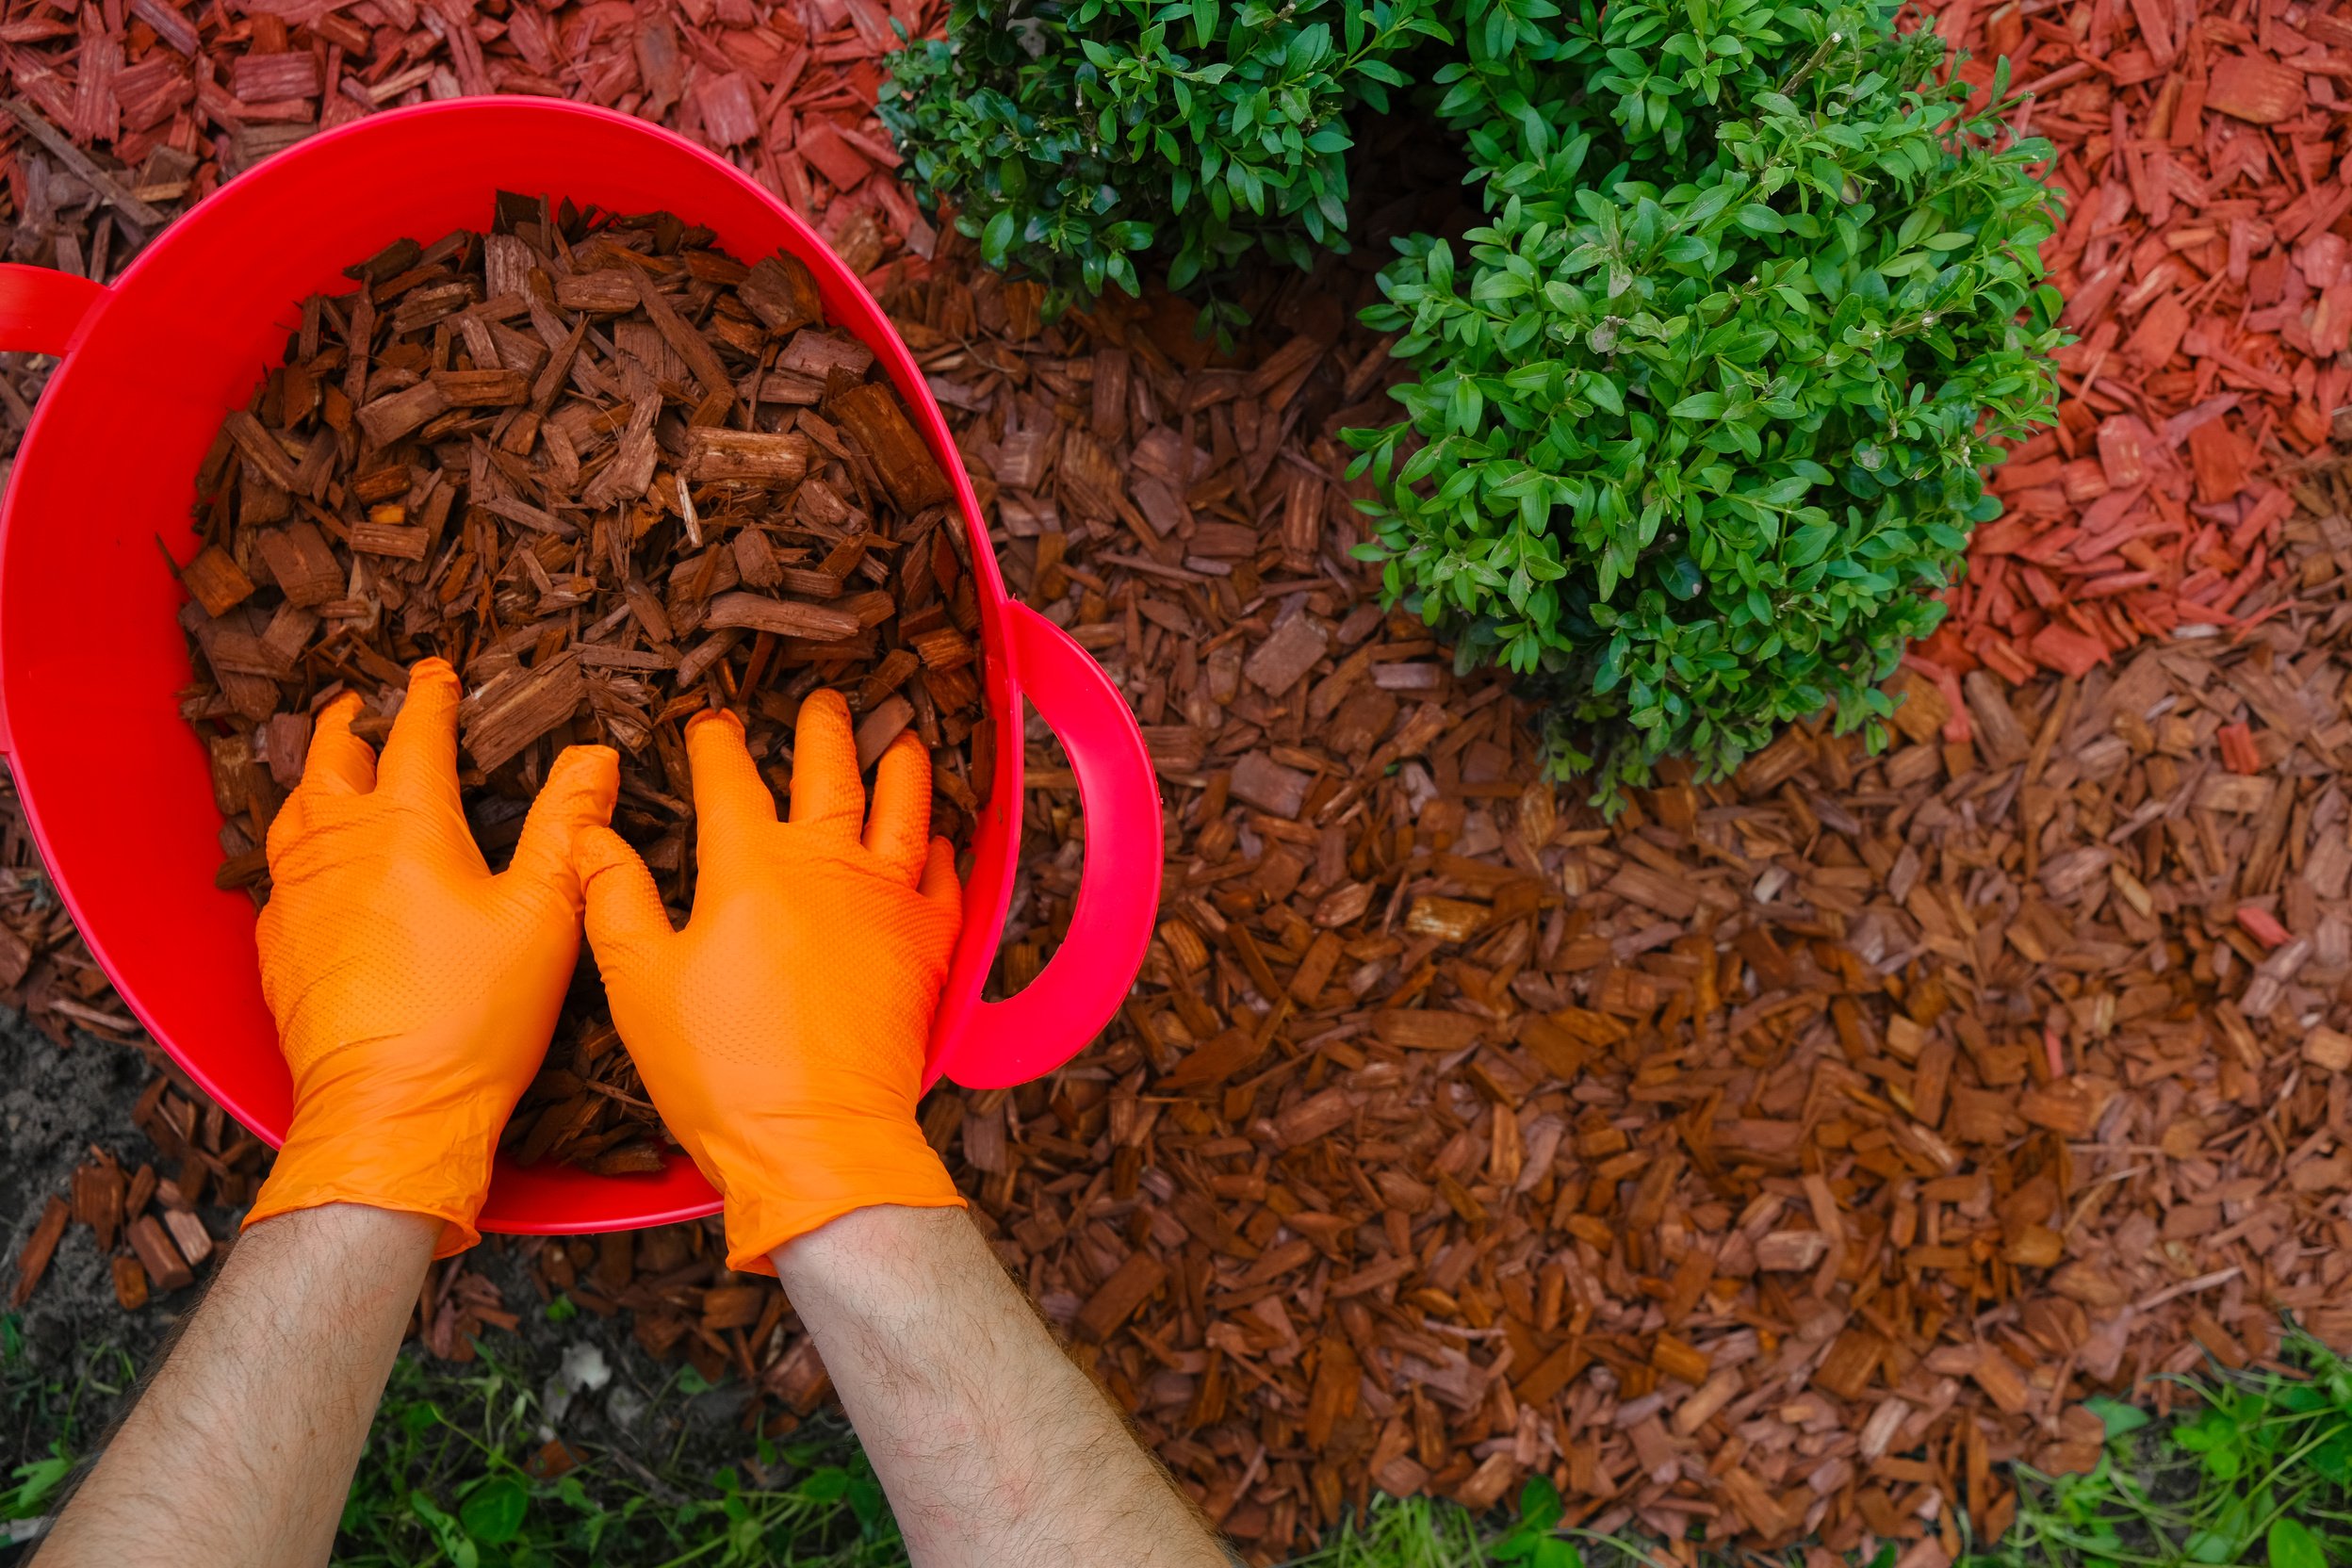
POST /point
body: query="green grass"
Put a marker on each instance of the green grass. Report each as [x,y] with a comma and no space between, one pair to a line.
[45,1422]
[1410,1533]
[2257,1469]
[1421,1532]
[447,1478]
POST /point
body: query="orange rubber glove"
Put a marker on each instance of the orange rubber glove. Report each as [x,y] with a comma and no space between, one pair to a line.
[781,1034]
[414,992]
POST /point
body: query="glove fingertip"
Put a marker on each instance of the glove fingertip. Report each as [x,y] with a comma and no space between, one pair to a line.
[420,755]
[714,715]
[940,883]
[586,782]
[433,679]
[580,791]
[339,761]
[339,713]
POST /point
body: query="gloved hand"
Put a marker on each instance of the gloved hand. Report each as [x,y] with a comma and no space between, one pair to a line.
[414,992]
[781,1034]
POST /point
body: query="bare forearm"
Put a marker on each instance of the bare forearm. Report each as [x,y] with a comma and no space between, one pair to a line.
[242,1448]
[993,1447]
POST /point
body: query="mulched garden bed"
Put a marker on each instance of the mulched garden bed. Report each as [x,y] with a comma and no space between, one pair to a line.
[1773,1163]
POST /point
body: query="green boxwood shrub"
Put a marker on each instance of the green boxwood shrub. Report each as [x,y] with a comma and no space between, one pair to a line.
[1698,428]
[1695,435]
[1071,136]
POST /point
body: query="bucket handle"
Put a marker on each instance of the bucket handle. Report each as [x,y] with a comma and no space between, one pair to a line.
[1049,1019]
[41,308]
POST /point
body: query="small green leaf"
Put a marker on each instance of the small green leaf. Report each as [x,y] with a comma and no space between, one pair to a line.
[2293,1545]
[1539,1503]
[447,1532]
[997,238]
[1552,1552]
[492,1511]
[35,1482]
[2117,1417]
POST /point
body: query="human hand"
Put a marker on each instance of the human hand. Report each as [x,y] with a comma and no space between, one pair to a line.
[414,992]
[781,1033]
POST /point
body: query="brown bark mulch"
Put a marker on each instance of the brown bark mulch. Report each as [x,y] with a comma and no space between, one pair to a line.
[1776,1160]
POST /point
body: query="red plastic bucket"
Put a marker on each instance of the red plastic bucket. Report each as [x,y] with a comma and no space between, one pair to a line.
[116,786]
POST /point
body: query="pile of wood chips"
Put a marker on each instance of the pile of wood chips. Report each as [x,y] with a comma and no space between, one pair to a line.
[615,478]
[2205,156]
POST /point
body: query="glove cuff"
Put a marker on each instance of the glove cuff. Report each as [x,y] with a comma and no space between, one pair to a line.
[382,1136]
[781,1181]
[458,1232]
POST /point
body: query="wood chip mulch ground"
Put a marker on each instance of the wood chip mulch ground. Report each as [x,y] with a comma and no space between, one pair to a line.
[1774,1163]
[1776,1160]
